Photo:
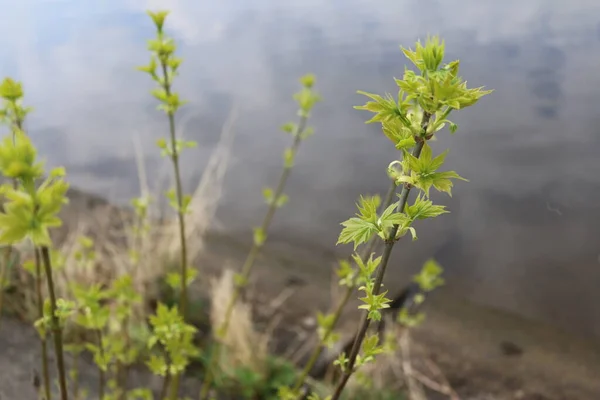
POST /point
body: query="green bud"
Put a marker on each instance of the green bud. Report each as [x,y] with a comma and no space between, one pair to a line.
[308,80]
[158,17]
[11,90]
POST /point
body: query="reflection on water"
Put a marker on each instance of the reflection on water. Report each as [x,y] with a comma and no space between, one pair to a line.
[522,234]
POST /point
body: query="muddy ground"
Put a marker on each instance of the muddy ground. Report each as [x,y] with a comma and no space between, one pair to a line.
[484,354]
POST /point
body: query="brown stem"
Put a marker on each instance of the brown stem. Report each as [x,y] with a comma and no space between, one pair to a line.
[3,271]
[56,329]
[40,307]
[179,193]
[123,367]
[387,252]
[183,299]
[251,258]
[165,385]
[76,377]
[342,304]
[101,372]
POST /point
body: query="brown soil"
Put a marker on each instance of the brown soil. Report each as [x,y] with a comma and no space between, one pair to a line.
[484,354]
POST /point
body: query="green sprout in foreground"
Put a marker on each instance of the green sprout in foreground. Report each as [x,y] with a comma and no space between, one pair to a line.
[30,210]
[275,198]
[12,113]
[426,98]
[163,68]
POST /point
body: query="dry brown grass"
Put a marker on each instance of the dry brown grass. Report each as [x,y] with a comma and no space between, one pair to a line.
[111,228]
[243,345]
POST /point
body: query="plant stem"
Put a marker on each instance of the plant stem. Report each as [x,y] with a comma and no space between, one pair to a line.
[56,329]
[337,313]
[7,258]
[183,299]
[3,271]
[163,390]
[101,372]
[123,367]
[252,255]
[179,192]
[174,388]
[40,306]
[387,252]
[76,377]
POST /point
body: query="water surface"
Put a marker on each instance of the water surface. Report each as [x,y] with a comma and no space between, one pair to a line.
[523,234]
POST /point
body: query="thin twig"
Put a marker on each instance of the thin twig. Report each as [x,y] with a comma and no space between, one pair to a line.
[389,245]
[101,372]
[183,299]
[342,304]
[56,329]
[437,371]
[414,389]
[40,307]
[252,256]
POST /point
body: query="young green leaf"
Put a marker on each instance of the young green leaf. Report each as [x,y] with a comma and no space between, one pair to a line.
[429,277]
[259,236]
[361,228]
[423,208]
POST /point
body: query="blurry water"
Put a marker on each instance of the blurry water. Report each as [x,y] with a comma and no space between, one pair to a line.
[523,234]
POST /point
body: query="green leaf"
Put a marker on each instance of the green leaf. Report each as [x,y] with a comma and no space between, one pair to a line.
[366,269]
[410,320]
[158,17]
[374,303]
[173,279]
[342,362]
[160,94]
[288,158]
[346,273]
[453,127]
[423,208]
[162,143]
[185,206]
[442,181]
[306,99]
[308,80]
[18,159]
[307,132]
[282,200]
[429,277]
[399,134]
[268,195]
[259,236]
[150,68]
[424,172]
[11,90]
[174,63]
[358,231]
[385,109]
[240,280]
[289,127]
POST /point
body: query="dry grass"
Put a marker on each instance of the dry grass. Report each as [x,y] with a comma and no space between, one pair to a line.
[111,228]
[243,345]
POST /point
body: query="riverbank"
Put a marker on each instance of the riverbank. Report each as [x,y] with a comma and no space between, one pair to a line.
[482,353]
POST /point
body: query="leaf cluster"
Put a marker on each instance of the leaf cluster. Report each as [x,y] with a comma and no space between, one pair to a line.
[367,223]
[428,279]
[251,384]
[29,211]
[434,89]
[12,110]
[175,336]
[306,97]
